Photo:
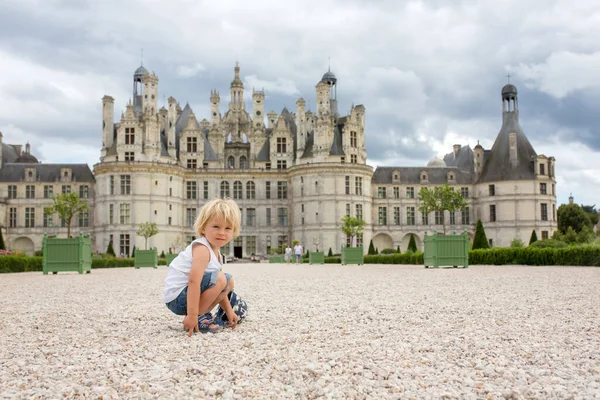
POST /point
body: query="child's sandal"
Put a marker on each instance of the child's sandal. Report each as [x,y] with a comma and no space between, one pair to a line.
[207,325]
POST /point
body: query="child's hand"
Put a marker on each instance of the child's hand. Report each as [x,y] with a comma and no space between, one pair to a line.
[190,324]
[232,319]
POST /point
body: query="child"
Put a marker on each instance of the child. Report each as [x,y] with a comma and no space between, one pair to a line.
[195,283]
[288,254]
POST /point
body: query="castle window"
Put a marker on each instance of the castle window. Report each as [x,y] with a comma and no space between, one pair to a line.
[492,213]
[268,217]
[282,190]
[224,189]
[544,235]
[281,164]
[353,159]
[452,218]
[425,219]
[129,135]
[84,191]
[396,192]
[243,162]
[268,165]
[382,215]
[237,190]
[359,211]
[281,145]
[124,213]
[48,223]
[250,190]
[466,216]
[192,145]
[12,219]
[396,215]
[230,162]
[267,189]
[492,190]
[30,192]
[48,189]
[190,216]
[358,186]
[129,156]
[381,192]
[191,163]
[544,211]
[125,184]
[410,215]
[66,189]
[84,220]
[347,209]
[282,216]
[29,217]
[438,217]
[542,188]
[124,245]
[30,174]
[542,169]
[410,192]
[347,185]
[464,191]
[353,141]
[191,190]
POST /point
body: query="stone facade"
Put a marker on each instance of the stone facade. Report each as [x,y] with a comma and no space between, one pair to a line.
[293,174]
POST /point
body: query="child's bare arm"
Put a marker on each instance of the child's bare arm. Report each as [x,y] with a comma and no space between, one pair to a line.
[200,258]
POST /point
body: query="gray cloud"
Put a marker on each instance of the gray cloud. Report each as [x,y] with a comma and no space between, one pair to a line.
[429,73]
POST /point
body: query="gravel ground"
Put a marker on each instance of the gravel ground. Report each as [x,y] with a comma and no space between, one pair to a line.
[374,331]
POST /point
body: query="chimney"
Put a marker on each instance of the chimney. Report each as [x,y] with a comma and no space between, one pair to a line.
[571,199]
[456,149]
[27,148]
[18,149]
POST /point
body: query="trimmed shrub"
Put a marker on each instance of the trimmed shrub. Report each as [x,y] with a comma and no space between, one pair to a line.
[330,254]
[2,245]
[398,249]
[162,255]
[556,244]
[517,243]
[388,251]
[20,264]
[132,253]
[110,249]
[480,241]
[371,248]
[533,238]
[412,244]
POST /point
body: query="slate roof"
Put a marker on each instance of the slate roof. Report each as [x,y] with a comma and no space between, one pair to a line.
[496,166]
[336,146]
[9,154]
[46,172]
[412,175]
[209,152]
[463,159]
[265,152]
[310,141]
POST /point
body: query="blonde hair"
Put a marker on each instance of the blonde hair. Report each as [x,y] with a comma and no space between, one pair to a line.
[219,208]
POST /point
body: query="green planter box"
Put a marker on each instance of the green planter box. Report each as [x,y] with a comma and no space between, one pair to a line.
[353,255]
[277,260]
[170,257]
[63,255]
[146,258]
[446,250]
[316,257]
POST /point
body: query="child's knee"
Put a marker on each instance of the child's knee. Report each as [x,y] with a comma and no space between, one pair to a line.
[221,281]
[230,285]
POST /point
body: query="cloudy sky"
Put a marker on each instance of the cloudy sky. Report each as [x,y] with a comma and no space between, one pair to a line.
[428,72]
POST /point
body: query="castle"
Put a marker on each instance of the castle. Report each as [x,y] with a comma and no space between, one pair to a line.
[293,174]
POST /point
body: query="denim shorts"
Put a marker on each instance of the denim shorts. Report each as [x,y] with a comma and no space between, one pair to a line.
[179,305]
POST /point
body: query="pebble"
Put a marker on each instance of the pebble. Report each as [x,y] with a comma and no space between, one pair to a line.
[372,331]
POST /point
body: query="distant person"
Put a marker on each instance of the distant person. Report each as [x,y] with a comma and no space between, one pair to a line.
[288,254]
[298,251]
[195,282]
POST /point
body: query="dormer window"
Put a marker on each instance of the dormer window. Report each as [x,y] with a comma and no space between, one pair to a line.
[424,177]
[451,176]
[30,174]
[66,174]
[396,176]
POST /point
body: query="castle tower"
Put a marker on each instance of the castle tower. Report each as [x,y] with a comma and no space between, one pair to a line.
[150,88]
[478,160]
[237,91]
[108,123]
[138,91]
[171,121]
[215,114]
[301,127]
[272,118]
[258,108]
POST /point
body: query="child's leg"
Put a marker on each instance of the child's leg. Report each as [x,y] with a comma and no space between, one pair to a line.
[223,296]
[210,295]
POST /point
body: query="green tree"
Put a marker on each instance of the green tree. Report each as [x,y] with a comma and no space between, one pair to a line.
[533,238]
[371,248]
[147,230]
[330,254]
[162,255]
[110,249]
[412,244]
[480,240]
[132,253]
[66,206]
[2,245]
[441,199]
[352,226]
[570,236]
[592,213]
[572,215]
[517,243]
[585,235]
[398,249]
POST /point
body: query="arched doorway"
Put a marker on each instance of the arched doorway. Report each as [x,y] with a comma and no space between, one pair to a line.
[23,244]
[383,241]
[406,240]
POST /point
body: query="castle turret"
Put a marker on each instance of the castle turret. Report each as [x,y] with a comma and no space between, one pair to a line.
[138,91]
[150,101]
[171,121]
[215,114]
[272,118]
[237,91]
[108,123]
[258,108]
[301,126]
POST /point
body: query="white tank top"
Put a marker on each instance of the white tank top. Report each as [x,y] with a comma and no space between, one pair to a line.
[179,269]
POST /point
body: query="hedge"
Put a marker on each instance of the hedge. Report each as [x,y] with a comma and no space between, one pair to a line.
[575,255]
[28,264]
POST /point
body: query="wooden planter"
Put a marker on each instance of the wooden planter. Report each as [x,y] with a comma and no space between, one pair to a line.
[170,257]
[450,250]
[353,255]
[146,258]
[316,257]
[73,254]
